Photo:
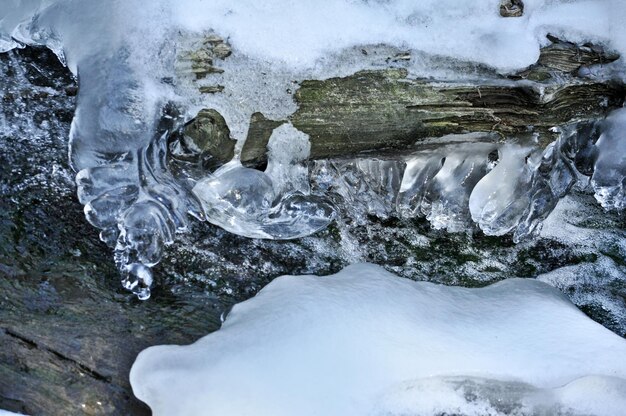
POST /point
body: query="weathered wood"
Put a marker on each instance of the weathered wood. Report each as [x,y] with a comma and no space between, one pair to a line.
[373,110]
[384,109]
[561,57]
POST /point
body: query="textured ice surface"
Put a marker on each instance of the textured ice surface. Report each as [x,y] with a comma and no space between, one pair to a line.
[364,341]
[471,177]
[609,178]
[131,97]
[271,204]
[500,198]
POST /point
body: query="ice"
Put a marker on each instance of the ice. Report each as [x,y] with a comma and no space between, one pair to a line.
[133,94]
[273,204]
[500,198]
[445,201]
[363,187]
[364,341]
[13,12]
[288,149]
[591,395]
[435,183]
[471,179]
[609,177]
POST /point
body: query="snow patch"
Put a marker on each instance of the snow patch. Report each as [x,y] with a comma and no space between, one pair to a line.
[367,342]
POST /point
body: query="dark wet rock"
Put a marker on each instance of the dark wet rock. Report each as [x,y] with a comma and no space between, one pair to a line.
[511,8]
[207,138]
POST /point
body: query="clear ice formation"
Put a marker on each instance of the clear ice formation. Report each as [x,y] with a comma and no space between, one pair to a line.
[131,98]
[273,204]
[609,176]
[501,188]
[367,342]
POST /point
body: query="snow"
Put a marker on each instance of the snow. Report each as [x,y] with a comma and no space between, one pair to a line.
[367,342]
[299,33]
[7,413]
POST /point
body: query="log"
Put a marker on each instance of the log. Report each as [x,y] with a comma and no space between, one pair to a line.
[384,109]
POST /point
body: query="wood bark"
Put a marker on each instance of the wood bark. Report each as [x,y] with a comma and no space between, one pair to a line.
[384,109]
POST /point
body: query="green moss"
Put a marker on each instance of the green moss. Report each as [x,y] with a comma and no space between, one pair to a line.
[547,255]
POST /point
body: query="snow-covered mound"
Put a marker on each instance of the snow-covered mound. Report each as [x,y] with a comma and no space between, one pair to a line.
[367,342]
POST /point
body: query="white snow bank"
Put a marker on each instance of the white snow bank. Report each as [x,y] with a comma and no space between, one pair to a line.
[367,342]
[301,32]
[7,413]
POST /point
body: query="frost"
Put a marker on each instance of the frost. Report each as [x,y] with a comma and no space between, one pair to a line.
[367,342]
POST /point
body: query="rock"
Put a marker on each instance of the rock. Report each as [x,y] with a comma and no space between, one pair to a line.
[222,51]
[255,147]
[206,137]
[511,8]
[202,60]
[211,89]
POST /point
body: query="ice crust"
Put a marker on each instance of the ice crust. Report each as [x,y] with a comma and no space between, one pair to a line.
[364,342]
[131,96]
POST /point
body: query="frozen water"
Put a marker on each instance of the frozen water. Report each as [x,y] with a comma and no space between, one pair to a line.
[271,204]
[609,177]
[367,342]
[132,96]
[445,201]
[466,179]
[499,199]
